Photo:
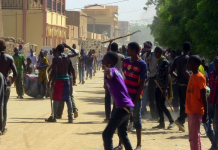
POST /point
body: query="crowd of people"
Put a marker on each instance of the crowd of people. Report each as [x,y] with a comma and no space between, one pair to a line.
[134,77]
[142,76]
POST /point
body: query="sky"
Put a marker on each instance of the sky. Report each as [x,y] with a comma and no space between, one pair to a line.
[129,10]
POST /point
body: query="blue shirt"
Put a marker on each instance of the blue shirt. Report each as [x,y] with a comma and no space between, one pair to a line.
[211,68]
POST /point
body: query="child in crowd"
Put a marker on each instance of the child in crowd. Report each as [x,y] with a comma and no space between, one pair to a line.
[123,102]
[196,102]
[213,106]
[29,66]
[162,79]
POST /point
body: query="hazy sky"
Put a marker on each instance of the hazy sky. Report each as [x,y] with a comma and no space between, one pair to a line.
[133,7]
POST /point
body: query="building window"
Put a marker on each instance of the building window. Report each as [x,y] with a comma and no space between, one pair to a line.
[63,9]
[35,4]
[59,7]
[12,4]
[49,4]
[54,5]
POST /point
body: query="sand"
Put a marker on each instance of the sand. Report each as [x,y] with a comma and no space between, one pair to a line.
[27,129]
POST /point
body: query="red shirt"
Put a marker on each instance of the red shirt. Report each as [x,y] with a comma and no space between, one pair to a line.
[213,81]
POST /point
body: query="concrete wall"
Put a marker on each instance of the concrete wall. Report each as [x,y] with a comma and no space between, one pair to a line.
[1,21]
[99,29]
[124,28]
[72,36]
[13,24]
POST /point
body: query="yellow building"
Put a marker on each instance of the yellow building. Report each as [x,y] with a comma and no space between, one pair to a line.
[40,22]
[102,19]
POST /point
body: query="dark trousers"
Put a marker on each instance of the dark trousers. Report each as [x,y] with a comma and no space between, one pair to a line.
[175,101]
[118,120]
[61,103]
[213,119]
[6,98]
[151,98]
[19,84]
[182,100]
[107,103]
[161,107]
[2,92]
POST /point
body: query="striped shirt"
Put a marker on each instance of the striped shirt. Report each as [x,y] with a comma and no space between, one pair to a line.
[213,81]
[133,72]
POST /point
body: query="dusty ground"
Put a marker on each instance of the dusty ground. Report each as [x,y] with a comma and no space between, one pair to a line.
[27,129]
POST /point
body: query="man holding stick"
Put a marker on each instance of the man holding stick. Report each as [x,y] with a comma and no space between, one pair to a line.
[162,89]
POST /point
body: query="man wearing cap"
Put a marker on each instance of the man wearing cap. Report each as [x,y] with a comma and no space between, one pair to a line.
[20,49]
[152,63]
[82,63]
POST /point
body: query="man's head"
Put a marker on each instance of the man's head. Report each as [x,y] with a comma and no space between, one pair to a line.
[114,47]
[123,48]
[173,54]
[133,49]
[187,47]
[82,51]
[2,45]
[42,53]
[31,51]
[16,50]
[194,62]
[178,52]
[74,46]
[110,59]
[55,52]
[60,48]
[20,47]
[158,51]
[215,63]
[29,60]
[51,52]
[93,51]
[147,47]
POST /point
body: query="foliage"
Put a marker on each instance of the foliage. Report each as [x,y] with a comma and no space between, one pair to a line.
[178,21]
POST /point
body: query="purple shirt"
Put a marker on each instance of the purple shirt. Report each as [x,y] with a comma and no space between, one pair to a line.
[118,89]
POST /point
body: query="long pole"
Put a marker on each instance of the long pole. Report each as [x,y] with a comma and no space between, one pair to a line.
[164,95]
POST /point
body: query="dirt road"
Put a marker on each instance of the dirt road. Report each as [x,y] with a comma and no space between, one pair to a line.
[27,129]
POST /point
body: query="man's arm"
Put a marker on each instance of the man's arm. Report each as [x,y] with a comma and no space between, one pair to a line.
[172,69]
[24,66]
[72,50]
[141,86]
[204,98]
[186,73]
[14,70]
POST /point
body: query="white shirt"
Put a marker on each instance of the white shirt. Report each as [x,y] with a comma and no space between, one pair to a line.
[100,57]
[50,57]
[33,58]
[75,60]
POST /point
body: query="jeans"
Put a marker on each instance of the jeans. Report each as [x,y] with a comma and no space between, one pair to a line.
[6,98]
[119,120]
[194,122]
[161,107]
[144,100]
[89,71]
[19,84]
[151,98]
[61,103]
[69,106]
[107,103]
[81,74]
[213,118]
[182,100]
[136,115]
[43,84]
[175,101]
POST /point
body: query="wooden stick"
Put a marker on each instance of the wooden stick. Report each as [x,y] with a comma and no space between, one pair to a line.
[164,95]
[121,37]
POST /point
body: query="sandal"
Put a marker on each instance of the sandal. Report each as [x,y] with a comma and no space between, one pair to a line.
[118,148]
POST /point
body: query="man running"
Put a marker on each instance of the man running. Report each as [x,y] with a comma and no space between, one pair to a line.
[61,92]
[8,62]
